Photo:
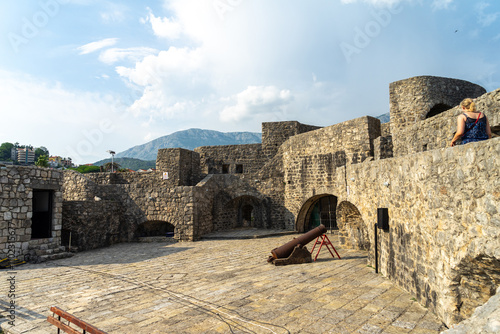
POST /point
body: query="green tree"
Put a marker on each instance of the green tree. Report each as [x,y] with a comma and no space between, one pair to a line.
[111,166]
[5,150]
[42,161]
[41,151]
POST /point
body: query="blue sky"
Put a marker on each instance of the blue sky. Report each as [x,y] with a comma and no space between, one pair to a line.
[81,77]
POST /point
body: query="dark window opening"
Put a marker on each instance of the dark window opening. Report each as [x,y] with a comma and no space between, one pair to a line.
[424,148]
[155,229]
[239,169]
[225,169]
[437,109]
[41,220]
[246,215]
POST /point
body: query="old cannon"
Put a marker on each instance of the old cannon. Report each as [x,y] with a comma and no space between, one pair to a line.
[294,250]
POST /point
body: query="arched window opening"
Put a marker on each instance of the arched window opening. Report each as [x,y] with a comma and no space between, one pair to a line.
[437,109]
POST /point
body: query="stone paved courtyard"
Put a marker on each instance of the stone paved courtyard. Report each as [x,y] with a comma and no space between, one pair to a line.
[213,286]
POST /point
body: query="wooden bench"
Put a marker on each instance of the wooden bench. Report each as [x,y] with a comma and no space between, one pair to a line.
[71,320]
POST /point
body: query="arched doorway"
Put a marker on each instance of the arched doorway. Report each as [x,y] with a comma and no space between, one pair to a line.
[320,209]
[352,231]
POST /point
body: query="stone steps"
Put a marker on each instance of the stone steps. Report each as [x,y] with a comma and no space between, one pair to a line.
[55,256]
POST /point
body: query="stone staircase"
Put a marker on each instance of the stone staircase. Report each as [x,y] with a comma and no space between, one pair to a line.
[42,254]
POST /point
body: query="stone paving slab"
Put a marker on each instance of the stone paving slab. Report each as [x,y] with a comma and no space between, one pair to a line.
[212,286]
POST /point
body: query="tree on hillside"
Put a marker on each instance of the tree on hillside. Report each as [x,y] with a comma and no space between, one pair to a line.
[86,169]
[5,150]
[111,166]
[43,161]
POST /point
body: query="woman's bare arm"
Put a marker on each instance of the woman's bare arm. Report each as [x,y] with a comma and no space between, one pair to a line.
[460,129]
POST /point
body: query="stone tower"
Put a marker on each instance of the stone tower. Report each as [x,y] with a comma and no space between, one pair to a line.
[416,99]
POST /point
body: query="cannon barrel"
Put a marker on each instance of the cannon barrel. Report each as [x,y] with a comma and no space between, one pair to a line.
[287,249]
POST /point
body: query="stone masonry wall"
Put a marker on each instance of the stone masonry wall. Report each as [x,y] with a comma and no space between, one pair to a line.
[383,147]
[93,224]
[412,99]
[182,166]
[444,209]
[16,210]
[276,133]
[141,196]
[213,158]
[311,160]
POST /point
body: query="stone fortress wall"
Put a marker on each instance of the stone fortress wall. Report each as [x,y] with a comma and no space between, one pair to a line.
[443,202]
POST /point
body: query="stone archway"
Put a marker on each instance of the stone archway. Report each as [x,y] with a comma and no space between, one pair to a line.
[352,231]
[320,209]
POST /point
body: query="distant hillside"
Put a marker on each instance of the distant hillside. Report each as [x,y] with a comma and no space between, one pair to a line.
[190,139]
[385,118]
[130,163]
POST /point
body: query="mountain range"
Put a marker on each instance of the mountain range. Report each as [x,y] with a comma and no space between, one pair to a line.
[130,163]
[190,139]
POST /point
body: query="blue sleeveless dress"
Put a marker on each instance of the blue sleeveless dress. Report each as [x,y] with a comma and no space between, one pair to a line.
[474,132]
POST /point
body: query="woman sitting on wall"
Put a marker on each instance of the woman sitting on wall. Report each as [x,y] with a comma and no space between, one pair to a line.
[471,125]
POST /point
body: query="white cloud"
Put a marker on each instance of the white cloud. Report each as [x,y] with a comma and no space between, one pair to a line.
[113,55]
[77,124]
[164,27]
[376,2]
[441,4]
[436,4]
[170,68]
[95,46]
[485,19]
[258,102]
[114,16]
[114,13]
